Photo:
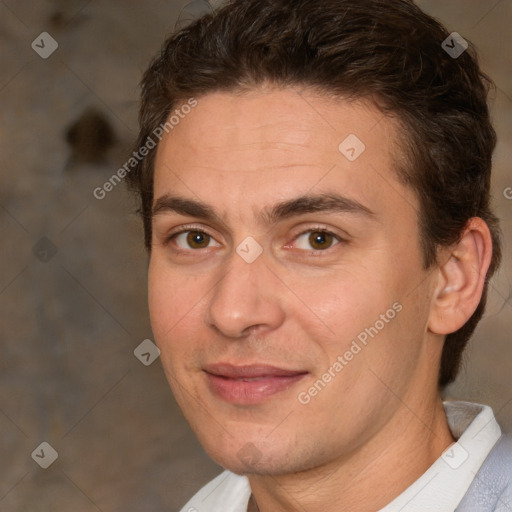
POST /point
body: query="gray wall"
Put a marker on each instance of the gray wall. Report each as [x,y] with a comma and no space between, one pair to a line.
[73,269]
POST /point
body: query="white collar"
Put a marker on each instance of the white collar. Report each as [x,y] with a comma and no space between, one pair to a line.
[440,489]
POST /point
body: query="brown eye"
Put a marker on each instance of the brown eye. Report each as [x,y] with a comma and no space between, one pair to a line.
[198,239]
[320,240]
[193,239]
[316,240]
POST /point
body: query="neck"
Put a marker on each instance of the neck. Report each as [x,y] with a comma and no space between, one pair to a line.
[367,479]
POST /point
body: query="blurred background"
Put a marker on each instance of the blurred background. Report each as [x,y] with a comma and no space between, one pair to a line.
[73,268]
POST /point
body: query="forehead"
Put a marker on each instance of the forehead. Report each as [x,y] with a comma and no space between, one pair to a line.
[253,148]
[279,120]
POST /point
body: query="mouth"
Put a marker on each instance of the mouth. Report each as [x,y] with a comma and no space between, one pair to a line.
[249,384]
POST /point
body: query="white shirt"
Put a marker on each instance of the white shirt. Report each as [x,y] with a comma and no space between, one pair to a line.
[440,489]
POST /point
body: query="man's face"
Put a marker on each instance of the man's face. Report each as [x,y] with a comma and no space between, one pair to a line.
[250,329]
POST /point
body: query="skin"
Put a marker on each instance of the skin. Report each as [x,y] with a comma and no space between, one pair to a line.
[379,424]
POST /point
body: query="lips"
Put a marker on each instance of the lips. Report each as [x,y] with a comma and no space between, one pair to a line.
[249,371]
[249,384]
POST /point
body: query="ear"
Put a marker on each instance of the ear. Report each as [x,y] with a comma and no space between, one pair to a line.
[461,278]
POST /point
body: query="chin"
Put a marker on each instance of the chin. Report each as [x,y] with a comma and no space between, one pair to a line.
[257,457]
[264,466]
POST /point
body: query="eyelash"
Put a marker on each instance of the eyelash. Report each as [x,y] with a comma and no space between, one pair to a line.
[315,229]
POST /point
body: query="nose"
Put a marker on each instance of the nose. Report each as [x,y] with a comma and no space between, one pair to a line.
[247,299]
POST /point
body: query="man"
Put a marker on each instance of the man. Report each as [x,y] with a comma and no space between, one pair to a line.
[317,215]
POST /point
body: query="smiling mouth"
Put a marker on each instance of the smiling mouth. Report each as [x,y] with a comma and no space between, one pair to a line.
[249,384]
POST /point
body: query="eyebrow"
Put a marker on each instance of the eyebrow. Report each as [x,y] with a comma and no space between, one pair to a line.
[309,203]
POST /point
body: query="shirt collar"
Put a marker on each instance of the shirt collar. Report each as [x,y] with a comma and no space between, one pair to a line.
[442,487]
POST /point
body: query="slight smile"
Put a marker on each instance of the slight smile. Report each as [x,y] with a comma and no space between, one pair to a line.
[249,384]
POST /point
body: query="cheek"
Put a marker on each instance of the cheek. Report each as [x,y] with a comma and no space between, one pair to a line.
[161,306]
[171,300]
[346,304]
[370,323]
[167,308]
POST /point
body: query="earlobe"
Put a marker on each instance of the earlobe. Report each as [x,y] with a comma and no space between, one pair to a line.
[461,279]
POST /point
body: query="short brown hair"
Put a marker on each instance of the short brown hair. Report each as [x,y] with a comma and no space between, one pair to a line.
[388,51]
